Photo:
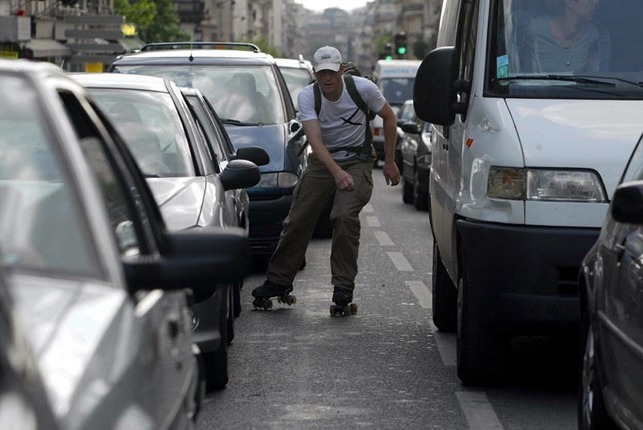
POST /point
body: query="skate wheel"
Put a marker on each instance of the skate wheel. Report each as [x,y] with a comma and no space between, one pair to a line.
[262,304]
[287,299]
[333,310]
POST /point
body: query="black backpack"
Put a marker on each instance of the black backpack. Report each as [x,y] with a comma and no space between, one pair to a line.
[365,150]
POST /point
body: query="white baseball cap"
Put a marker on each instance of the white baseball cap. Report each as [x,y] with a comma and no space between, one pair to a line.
[327,58]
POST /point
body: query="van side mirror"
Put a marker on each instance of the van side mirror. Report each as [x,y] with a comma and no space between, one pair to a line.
[627,203]
[435,90]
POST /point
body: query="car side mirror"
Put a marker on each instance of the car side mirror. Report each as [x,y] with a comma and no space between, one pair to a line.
[240,174]
[198,260]
[256,154]
[627,203]
[410,127]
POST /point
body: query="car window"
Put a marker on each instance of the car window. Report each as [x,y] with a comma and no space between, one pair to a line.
[214,146]
[407,113]
[397,90]
[246,93]
[42,224]
[152,129]
[296,79]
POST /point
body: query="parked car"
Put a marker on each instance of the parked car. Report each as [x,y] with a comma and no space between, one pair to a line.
[102,285]
[190,181]
[413,156]
[223,152]
[252,99]
[395,79]
[611,293]
[24,402]
[297,73]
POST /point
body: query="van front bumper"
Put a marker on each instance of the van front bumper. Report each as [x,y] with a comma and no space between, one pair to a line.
[528,274]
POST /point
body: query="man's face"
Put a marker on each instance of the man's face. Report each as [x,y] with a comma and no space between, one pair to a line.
[330,82]
[584,9]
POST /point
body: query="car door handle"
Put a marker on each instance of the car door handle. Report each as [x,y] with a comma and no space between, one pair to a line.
[173,328]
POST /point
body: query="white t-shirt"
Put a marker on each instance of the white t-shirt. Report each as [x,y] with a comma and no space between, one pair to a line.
[342,123]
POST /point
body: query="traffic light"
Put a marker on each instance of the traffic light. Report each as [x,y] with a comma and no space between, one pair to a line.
[388,52]
[400,44]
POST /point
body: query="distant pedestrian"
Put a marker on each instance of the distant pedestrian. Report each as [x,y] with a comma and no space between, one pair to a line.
[334,112]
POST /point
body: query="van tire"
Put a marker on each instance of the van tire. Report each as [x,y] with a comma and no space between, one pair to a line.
[445,296]
[407,192]
[481,352]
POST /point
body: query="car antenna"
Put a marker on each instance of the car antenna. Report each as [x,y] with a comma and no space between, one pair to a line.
[191,57]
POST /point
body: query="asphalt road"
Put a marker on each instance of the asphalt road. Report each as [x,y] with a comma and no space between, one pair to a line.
[386,367]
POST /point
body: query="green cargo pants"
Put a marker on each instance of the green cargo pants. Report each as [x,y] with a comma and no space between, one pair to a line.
[310,196]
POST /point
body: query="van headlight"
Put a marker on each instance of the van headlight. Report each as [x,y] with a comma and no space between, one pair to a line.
[278,180]
[545,185]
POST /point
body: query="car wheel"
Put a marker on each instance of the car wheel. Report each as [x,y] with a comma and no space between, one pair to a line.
[420,198]
[230,319]
[216,362]
[592,413]
[445,296]
[407,192]
[236,299]
[481,352]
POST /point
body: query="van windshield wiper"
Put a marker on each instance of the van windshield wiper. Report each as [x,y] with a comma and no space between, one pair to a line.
[240,123]
[594,80]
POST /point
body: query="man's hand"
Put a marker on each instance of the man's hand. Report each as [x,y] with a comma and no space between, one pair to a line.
[391,173]
[344,181]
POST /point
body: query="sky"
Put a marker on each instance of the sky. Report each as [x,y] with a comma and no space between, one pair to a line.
[320,5]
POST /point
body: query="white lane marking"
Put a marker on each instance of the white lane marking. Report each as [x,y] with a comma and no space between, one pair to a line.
[478,410]
[373,221]
[400,262]
[421,293]
[368,208]
[383,238]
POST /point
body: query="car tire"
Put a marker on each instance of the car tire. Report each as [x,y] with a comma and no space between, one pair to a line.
[444,296]
[481,353]
[216,362]
[592,412]
[236,299]
[407,192]
[231,317]
[420,198]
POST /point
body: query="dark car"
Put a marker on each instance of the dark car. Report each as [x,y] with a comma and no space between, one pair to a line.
[252,99]
[102,285]
[413,156]
[611,293]
[192,183]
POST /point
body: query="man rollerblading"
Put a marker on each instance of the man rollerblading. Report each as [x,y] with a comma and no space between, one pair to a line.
[268,290]
[342,297]
[335,114]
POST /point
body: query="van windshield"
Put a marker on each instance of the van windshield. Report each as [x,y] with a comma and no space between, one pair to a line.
[397,90]
[566,49]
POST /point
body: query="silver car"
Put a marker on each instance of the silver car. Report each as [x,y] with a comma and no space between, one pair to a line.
[97,277]
[194,187]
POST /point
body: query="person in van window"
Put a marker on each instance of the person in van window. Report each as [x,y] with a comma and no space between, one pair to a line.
[566,40]
[335,113]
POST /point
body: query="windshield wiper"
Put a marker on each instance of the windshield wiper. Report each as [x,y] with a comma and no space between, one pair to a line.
[240,123]
[571,78]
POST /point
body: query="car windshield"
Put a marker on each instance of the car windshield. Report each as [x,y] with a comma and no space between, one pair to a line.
[296,79]
[243,93]
[152,129]
[41,223]
[397,90]
[537,52]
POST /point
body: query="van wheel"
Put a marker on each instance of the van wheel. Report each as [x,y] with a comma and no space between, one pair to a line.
[481,352]
[592,413]
[445,296]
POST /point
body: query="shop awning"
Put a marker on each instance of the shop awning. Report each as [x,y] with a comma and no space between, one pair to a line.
[41,48]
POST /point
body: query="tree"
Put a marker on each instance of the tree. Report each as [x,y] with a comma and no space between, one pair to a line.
[155,20]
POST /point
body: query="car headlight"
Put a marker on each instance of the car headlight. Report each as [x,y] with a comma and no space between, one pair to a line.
[278,180]
[545,185]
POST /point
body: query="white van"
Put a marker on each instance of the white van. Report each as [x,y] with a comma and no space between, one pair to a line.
[524,163]
[395,79]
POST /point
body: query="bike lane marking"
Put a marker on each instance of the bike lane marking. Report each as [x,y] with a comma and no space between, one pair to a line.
[400,262]
[373,221]
[383,238]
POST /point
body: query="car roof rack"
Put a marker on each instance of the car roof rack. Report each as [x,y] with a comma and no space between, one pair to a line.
[199,45]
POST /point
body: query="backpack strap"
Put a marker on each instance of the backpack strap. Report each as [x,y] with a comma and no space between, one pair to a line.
[365,150]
